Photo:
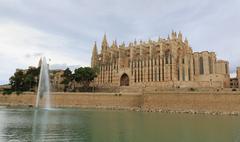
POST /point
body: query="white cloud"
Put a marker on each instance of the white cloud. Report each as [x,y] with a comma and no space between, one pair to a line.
[22,46]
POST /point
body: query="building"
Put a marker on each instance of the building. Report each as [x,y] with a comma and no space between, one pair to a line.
[166,63]
[234,83]
[5,87]
[56,78]
[238,76]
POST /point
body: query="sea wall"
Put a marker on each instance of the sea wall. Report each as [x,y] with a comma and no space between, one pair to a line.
[88,100]
[165,101]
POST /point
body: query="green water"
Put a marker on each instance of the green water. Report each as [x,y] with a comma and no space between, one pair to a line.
[63,125]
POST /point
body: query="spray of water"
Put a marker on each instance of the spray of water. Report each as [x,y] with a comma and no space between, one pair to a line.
[43,94]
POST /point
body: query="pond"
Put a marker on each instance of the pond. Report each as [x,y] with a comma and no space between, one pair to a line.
[88,125]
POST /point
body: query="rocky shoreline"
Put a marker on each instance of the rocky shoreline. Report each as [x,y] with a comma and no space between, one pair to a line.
[138,109]
[169,111]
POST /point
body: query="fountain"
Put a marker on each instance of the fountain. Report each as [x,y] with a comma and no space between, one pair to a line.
[43,86]
[42,101]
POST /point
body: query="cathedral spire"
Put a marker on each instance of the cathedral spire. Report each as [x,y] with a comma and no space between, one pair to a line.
[105,38]
[135,41]
[95,46]
[104,43]
[168,37]
[174,35]
[94,55]
[180,36]
[186,41]
[159,39]
[114,44]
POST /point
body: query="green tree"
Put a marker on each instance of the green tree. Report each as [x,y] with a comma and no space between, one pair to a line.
[84,75]
[68,77]
[16,81]
[31,78]
[21,81]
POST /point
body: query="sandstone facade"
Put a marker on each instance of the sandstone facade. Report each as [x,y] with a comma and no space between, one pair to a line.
[56,78]
[166,63]
[234,83]
[238,76]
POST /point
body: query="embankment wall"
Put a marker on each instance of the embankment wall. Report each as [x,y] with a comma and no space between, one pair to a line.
[195,102]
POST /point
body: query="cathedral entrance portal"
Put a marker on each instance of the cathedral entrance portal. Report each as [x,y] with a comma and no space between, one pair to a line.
[124,80]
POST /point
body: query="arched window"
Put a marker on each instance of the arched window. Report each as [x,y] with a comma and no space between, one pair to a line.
[124,80]
[159,73]
[189,73]
[138,76]
[167,55]
[135,76]
[201,68]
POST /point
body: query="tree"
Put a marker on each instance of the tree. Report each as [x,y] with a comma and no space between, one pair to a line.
[16,81]
[84,75]
[24,81]
[31,78]
[68,77]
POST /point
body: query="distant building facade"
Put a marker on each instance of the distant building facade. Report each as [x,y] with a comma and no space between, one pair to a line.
[238,76]
[235,81]
[56,79]
[4,87]
[166,63]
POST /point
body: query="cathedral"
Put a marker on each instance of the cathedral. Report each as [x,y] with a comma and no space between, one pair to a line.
[165,63]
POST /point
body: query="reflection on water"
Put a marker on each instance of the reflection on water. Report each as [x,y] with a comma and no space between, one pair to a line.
[65,125]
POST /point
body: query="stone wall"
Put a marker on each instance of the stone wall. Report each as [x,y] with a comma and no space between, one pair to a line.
[91,100]
[188,101]
[199,102]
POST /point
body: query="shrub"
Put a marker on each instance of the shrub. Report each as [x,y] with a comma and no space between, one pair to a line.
[7,92]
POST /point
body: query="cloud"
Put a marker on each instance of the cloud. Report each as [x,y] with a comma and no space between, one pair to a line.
[63,67]
[65,31]
[22,46]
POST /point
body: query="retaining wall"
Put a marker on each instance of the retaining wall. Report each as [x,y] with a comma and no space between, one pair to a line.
[200,102]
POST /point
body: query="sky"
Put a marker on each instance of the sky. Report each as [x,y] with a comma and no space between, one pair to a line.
[64,31]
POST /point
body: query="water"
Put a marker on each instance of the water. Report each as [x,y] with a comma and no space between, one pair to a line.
[43,86]
[69,125]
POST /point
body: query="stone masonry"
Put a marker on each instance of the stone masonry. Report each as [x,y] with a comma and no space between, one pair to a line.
[166,63]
